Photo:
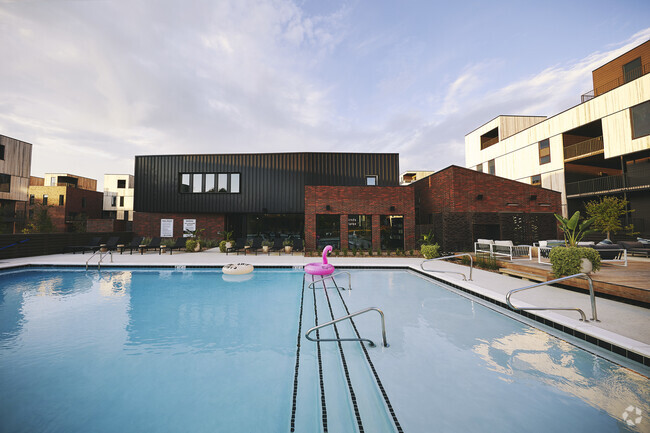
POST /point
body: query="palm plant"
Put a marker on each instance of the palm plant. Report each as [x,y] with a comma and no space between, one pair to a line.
[573,229]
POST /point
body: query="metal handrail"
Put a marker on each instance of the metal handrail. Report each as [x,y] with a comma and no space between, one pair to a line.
[311,285]
[546,283]
[349,316]
[471,265]
[101,257]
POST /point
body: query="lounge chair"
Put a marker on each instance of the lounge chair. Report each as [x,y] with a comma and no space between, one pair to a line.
[257,245]
[507,249]
[483,246]
[236,246]
[153,245]
[93,245]
[635,248]
[111,243]
[278,245]
[297,246]
[178,245]
[135,243]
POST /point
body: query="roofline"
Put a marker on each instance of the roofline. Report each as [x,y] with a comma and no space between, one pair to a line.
[504,115]
[273,153]
[615,58]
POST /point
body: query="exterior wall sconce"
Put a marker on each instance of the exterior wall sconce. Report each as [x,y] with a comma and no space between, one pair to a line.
[392,208]
[479,197]
[512,204]
[533,197]
[328,207]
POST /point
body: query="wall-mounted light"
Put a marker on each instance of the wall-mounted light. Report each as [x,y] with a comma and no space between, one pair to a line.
[392,208]
[479,197]
[533,197]
[328,207]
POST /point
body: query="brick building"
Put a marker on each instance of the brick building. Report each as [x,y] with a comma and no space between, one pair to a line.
[69,199]
[461,205]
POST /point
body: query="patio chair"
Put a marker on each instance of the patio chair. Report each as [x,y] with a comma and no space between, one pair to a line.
[483,246]
[178,245]
[278,245]
[153,245]
[635,248]
[507,249]
[297,246]
[111,243]
[257,245]
[241,246]
[135,243]
[93,245]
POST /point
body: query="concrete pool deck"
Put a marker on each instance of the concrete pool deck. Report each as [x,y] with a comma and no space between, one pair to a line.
[623,325]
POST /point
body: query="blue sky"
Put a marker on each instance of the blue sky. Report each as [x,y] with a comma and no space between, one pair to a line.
[92,83]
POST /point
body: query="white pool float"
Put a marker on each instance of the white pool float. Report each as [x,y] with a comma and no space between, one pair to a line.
[237,269]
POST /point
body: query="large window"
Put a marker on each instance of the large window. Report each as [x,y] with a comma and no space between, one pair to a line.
[392,232]
[5,183]
[122,201]
[121,183]
[632,70]
[2,152]
[44,199]
[544,152]
[640,115]
[205,182]
[328,231]
[31,199]
[53,181]
[536,180]
[114,201]
[479,168]
[360,231]
[61,199]
[371,180]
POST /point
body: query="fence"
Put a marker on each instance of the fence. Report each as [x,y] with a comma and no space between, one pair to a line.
[37,244]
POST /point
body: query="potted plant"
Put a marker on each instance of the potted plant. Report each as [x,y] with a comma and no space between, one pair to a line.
[288,246]
[266,245]
[227,236]
[571,259]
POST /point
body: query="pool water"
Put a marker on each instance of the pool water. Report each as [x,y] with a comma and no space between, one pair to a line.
[163,350]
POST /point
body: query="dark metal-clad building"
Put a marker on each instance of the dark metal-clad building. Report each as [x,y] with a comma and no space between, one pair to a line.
[246,193]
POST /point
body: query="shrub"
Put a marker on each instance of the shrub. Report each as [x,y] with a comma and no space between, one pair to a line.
[168,242]
[430,251]
[566,261]
[190,245]
[287,243]
[211,243]
[267,243]
[222,246]
[146,241]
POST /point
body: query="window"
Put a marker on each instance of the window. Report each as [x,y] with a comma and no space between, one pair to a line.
[490,138]
[121,183]
[234,183]
[544,152]
[536,180]
[83,202]
[640,115]
[360,231]
[44,199]
[328,231]
[122,201]
[371,180]
[114,201]
[126,215]
[197,182]
[222,185]
[391,232]
[53,181]
[185,182]
[632,70]
[61,199]
[2,151]
[479,168]
[5,183]
[31,199]
[491,167]
[209,182]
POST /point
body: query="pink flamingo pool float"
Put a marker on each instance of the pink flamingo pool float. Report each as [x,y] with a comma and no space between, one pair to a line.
[321,268]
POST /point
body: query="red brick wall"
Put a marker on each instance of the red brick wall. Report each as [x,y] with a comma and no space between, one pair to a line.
[148,224]
[100,225]
[71,203]
[455,189]
[359,200]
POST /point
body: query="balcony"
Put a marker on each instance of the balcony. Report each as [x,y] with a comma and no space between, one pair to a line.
[611,85]
[584,148]
[638,179]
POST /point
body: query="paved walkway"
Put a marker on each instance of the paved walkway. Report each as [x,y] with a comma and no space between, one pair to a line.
[622,324]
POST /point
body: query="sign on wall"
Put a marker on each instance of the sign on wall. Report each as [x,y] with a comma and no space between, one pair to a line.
[188,225]
[166,228]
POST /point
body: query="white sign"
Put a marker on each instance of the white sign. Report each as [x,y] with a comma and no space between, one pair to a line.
[166,228]
[188,225]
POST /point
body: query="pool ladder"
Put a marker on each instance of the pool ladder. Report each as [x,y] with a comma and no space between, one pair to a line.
[546,283]
[471,265]
[101,257]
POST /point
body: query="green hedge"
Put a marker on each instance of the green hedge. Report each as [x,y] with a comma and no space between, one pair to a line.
[430,251]
[566,261]
[222,246]
[190,245]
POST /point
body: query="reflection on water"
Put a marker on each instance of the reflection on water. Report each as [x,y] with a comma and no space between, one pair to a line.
[535,355]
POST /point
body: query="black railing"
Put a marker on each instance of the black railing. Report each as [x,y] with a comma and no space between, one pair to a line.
[634,179]
[583,148]
[611,85]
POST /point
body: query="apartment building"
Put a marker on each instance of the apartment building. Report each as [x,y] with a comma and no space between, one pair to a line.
[599,147]
[70,199]
[15,166]
[118,196]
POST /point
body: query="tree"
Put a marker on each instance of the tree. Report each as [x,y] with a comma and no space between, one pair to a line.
[41,223]
[607,213]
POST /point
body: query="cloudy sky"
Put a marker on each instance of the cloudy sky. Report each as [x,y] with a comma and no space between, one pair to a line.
[91,83]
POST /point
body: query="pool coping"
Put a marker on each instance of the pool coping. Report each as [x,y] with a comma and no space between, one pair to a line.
[626,347]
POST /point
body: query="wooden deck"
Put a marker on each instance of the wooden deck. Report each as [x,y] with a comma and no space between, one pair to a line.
[631,282]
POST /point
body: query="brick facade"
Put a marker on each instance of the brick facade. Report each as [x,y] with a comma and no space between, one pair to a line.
[147,224]
[359,200]
[461,205]
[76,201]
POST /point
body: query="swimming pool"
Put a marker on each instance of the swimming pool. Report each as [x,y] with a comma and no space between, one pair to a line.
[165,350]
